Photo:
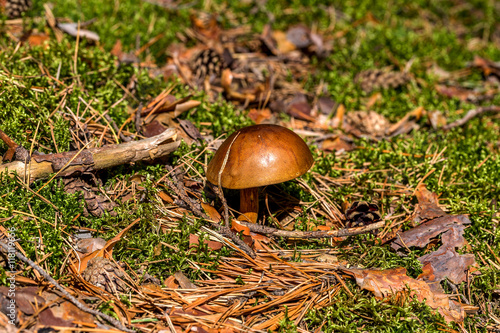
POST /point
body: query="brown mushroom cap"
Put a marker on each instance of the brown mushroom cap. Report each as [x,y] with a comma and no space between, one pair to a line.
[260,155]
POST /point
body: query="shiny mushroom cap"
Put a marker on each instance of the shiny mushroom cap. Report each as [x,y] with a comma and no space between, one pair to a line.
[259,155]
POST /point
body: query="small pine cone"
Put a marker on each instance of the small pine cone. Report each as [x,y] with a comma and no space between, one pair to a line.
[206,63]
[376,78]
[362,213]
[14,8]
[104,273]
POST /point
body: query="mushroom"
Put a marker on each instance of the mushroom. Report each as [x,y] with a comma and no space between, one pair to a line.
[257,156]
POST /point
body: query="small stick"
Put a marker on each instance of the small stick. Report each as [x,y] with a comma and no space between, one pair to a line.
[73,300]
[11,144]
[269,231]
[226,228]
[471,114]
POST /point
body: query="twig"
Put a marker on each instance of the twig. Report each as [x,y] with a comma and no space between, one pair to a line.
[471,114]
[226,228]
[455,291]
[138,119]
[10,143]
[269,231]
[73,300]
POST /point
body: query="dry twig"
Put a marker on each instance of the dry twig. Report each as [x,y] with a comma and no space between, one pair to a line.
[471,114]
[269,231]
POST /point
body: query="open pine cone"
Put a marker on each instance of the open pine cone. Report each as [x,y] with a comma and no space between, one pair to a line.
[372,79]
[205,64]
[14,8]
[104,273]
[362,213]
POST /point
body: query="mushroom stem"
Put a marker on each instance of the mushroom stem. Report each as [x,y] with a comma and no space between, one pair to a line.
[249,204]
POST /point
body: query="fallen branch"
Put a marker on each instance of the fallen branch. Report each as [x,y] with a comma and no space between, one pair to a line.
[471,114]
[269,231]
[88,160]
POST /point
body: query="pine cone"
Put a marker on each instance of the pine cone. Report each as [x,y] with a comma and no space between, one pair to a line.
[104,273]
[206,63]
[362,213]
[14,8]
[377,78]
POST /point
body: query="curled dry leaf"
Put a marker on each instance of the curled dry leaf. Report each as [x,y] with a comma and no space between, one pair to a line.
[89,245]
[211,211]
[183,280]
[106,252]
[299,108]
[299,36]
[283,44]
[326,105]
[445,263]
[406,124]
[468,95]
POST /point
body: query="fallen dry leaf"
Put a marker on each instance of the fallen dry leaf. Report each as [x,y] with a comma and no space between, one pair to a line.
[211,211]
[386,282]
[445,263]
[428,205]
[450,228]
